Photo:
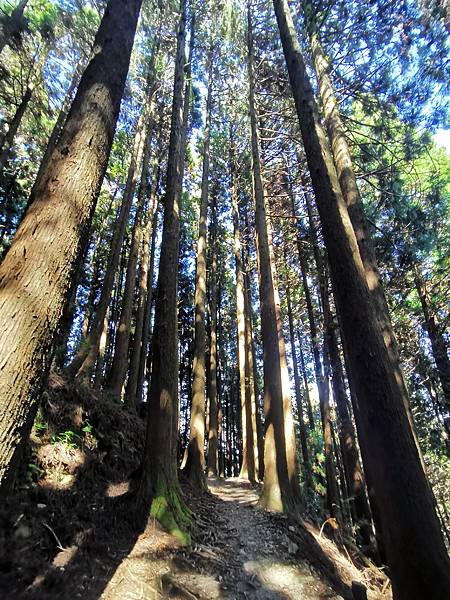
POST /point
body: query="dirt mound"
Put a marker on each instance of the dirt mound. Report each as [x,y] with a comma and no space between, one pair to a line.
[82,450]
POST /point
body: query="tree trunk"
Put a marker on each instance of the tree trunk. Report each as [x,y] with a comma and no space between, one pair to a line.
[281,491]
[248,466]
[195,461]
[57,128]
[117,374]
[159,485]
[416,553]
[322,378]
[298,396]
[250,351]
[14,125]
[84,361]
[438,344]
[36,274]
[306,384]
[350,191]
[214,423]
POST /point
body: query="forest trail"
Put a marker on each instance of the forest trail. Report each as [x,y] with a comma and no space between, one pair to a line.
[239,552]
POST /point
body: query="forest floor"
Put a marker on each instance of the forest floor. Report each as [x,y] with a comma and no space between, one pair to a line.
[64,536]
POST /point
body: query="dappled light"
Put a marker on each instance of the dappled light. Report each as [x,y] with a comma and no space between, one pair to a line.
[224,257]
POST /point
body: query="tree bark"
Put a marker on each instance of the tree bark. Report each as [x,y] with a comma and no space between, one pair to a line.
[14,125]
[158,486]
[350,191]
[416,553]
[353,471]
[117,374]
[248,465]
[322,378]
[195,461]
[118,371]
[36,274]
[84,361]
[298,395]
[281,490]
[214,422]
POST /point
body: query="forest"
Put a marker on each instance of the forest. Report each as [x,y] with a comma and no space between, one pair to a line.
[224,299]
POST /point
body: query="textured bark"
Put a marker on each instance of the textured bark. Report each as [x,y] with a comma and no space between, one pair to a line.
[118,371]
[57,128]
[248,465]
[252,366]
[13,126]
[251,388]
[281,491]
[117,375]
[298,395]
[322,379]
[195,461]
[355,482]
[145,293]
[13,25]
[416,554]
[159,481]
[36,274]
[84,361]
[214,420]
[350,191]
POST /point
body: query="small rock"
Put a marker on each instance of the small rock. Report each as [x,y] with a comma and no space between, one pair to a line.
[22,532]
[292,547]
[41,506]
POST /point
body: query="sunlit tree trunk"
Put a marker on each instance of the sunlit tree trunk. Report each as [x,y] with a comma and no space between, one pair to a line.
[253,368]
[298,395]
[248,466]
[322,377]
[214,412]
[36,274]
[84,361]
[350,191]
[195,461]
[281,491]
[57,128]
[158,486]
[417,558]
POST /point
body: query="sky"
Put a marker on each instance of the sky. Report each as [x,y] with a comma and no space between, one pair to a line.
[442,138]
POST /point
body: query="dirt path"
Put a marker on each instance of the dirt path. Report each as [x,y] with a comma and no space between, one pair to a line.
[240,552]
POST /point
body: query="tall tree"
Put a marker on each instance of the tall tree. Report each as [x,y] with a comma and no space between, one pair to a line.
[195,451]
[281,491]
[84,361]
[420,568]
[35,275]
[248,465]
[159,485]
[214,411]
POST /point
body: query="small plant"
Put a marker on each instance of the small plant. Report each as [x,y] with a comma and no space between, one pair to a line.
[40,426]
[69,438]
[87,427]
[33,473]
